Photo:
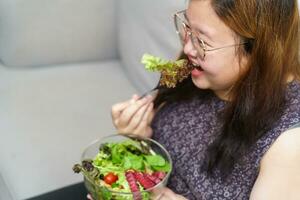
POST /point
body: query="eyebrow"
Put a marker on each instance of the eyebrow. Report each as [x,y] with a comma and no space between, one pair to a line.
[202,31]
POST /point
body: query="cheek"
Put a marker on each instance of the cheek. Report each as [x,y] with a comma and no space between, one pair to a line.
[223,68]
[214,67]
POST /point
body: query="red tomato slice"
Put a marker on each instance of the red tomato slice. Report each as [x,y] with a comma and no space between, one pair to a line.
[110,178]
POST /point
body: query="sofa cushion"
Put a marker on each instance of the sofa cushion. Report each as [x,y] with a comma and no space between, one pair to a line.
[35,32]
[4,192]
[147,27]
[47,117]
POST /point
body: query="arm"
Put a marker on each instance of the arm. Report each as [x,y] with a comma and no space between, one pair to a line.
[279,176]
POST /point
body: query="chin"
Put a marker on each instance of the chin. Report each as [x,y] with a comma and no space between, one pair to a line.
[201,84]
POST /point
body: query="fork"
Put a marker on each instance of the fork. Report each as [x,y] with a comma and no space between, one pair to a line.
[151,92]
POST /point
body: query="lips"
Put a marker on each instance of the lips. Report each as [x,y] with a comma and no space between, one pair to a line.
[194,65]
[197,73]
[198,68]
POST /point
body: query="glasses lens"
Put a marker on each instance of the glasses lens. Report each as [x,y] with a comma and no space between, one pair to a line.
[185,34]
[181,29]
[199,46]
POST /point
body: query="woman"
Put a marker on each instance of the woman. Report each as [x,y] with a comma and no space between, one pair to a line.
[227,126]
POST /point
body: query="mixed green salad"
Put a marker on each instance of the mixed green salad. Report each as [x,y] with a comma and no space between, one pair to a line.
[130,166]
[172,72]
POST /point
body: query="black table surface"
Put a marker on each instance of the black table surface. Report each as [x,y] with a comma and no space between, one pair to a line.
[72,192]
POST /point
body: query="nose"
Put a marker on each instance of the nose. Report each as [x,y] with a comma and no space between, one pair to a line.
[188,48]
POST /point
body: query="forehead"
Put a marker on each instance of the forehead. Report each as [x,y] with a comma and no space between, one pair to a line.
[202,16]
[203,6]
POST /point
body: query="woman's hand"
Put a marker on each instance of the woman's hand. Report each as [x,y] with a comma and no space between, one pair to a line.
[134,116]
[168,194]
[89,197]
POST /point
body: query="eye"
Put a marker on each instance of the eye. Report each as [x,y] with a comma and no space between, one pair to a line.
[204,43]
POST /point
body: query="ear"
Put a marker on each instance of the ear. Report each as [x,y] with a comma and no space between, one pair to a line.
[243,59]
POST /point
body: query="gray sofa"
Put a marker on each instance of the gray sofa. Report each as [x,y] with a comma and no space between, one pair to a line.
[63,64]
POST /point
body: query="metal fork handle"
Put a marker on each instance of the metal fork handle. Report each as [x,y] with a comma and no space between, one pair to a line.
[151,92]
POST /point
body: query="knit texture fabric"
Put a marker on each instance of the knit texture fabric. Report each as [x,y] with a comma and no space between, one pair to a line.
[186,129]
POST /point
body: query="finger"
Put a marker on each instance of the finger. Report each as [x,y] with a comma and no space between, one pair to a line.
[144,132]
[137,118]
[169,195]
[117,109]
[130,111]
[147,117]
[148,132]
[135,97]
[151,115]
[143,126]
[89,197]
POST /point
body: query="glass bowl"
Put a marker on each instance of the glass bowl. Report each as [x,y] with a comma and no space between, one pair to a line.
[100,192]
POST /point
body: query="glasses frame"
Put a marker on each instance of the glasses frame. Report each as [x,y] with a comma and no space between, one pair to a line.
[195,38]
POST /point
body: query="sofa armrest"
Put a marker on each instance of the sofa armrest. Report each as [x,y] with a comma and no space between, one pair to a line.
[35,32]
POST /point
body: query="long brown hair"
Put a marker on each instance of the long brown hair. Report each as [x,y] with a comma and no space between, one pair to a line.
[270,30]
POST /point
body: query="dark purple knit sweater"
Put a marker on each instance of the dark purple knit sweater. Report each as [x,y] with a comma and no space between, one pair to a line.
[186,129]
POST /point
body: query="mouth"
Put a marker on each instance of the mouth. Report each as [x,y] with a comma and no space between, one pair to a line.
[193,66]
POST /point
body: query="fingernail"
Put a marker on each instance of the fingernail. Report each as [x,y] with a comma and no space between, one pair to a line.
[135,96]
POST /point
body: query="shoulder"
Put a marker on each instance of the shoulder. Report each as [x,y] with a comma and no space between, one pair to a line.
[286,148]
[279,176]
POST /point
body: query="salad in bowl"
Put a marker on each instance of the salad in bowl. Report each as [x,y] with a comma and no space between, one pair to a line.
[125,167]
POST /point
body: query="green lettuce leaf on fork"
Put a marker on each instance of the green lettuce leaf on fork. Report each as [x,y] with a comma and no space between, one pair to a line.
[153,63]
[172,72]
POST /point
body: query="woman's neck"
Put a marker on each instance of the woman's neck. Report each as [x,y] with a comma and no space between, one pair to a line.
[224,94]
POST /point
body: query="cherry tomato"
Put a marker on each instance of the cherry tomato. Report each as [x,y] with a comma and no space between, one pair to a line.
[110,178]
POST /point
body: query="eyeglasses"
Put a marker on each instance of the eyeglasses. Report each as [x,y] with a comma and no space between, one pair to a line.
[185,32]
